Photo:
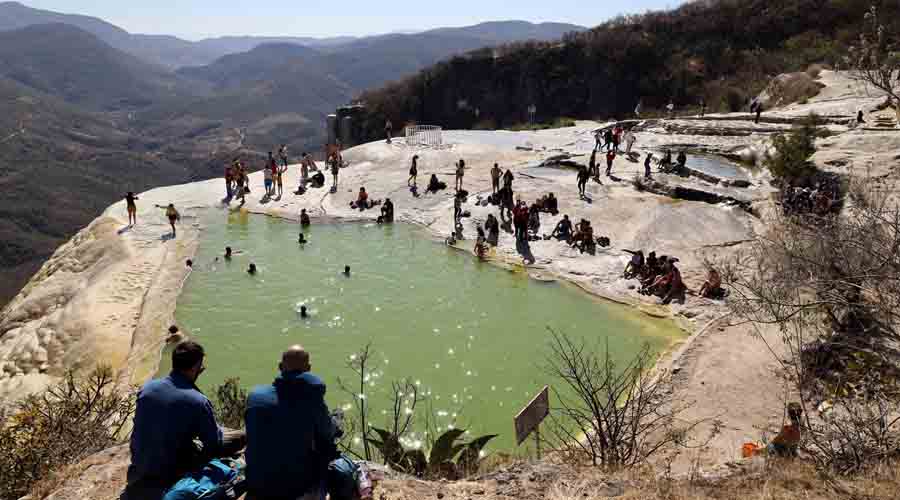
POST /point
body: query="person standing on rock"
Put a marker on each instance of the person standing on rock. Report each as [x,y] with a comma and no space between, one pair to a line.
[610,158]
[131,208]
[702,108]
[335,170]
[759,110]
[495,178]
[457,209]
[647,163]
[290,433]
[282,153]
[389,130]
[170,414]
[267,181]
[671,109]
[583,176]
[460,172]
[593,171]
[508,178]
[279,179]
[629,141]
[172,215]
[413,171]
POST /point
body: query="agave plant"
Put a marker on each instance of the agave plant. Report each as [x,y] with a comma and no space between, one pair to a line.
[449,458]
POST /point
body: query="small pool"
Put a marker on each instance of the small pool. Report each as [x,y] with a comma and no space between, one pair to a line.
[718,167]
[470,335]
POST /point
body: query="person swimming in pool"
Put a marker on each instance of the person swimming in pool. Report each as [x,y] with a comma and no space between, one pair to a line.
[302,239]
[347,271]
[303,313]
[252,269]
[227,253]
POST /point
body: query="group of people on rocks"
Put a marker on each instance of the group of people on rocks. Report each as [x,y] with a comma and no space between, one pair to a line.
[659,276]
[288,442]
[819,200]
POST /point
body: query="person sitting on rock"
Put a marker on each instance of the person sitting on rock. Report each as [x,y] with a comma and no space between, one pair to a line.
[290,433]
[682,161]
[676,289]
[636,265]
[712,287]
[434,185]
[362,200]
[563,230]
[534,220]
[318,179]
[304,218]
[387,211]
[170,414]
[551,204]
[787,442]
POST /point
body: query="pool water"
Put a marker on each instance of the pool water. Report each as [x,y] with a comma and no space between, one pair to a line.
[717,167]
[472,336]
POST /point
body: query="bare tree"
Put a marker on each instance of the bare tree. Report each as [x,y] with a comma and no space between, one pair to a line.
[831,286]
[616,416]
[874,60]
[361,366]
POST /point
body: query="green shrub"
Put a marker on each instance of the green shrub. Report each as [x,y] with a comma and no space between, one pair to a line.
[230,403]
[448,458]
[791,161]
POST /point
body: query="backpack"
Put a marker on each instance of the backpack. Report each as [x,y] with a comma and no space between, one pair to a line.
[220,479]
[343,479]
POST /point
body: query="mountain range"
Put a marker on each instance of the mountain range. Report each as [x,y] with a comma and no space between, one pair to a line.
[172,52]
[89,111]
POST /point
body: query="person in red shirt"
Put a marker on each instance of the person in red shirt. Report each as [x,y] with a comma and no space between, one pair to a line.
[610,157]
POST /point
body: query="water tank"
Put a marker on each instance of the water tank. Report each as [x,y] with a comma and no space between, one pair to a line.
[347,131]
[331,128]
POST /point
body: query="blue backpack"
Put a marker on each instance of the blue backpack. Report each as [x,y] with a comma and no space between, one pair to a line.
[217,480]
[342,479]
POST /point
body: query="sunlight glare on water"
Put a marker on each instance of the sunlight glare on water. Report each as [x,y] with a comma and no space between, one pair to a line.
[468,331]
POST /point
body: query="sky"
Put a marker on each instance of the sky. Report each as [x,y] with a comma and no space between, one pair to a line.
[196,19]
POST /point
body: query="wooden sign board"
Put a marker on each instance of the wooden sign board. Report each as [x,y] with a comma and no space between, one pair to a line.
[528,420]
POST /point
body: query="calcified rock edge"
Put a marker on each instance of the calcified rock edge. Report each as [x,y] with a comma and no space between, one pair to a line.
[110,293]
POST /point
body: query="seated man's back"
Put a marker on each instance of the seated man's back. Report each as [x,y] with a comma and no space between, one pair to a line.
[290,434]
[171,412]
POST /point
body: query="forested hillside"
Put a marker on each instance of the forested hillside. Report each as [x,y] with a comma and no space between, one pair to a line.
[721,51]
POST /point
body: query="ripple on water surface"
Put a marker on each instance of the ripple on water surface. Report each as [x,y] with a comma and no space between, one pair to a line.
[470,335]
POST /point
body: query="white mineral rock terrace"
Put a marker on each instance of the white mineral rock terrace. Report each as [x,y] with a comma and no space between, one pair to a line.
[109,294]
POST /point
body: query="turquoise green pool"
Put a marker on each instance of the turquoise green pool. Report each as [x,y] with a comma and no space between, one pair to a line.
[472,336]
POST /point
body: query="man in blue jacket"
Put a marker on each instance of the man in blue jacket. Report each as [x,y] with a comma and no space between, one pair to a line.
[290,434]
[171,413]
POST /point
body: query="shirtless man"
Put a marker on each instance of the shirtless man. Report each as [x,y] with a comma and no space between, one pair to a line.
[460,172]
[582,177]
[563,230]
[712,285]
[495,178]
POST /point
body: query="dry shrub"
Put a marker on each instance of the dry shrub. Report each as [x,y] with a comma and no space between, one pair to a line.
[792,87]
[814,71]
[69,422]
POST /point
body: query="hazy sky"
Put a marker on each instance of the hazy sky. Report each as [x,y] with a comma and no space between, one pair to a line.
[194,19]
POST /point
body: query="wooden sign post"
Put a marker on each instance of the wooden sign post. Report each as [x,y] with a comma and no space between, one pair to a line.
[529,419]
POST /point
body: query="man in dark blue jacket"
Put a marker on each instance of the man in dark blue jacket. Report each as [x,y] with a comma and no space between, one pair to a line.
[171,413]
[290,434]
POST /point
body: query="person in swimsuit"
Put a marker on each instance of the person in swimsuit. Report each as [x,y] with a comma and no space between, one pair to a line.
[647,163]
[582,178]
[130,198]
[304,218]
[282,153]
[413,171]
[252,269]
[347,271]
[227,253]
[480,245]
[172,215]
[301,239]
[460,172]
